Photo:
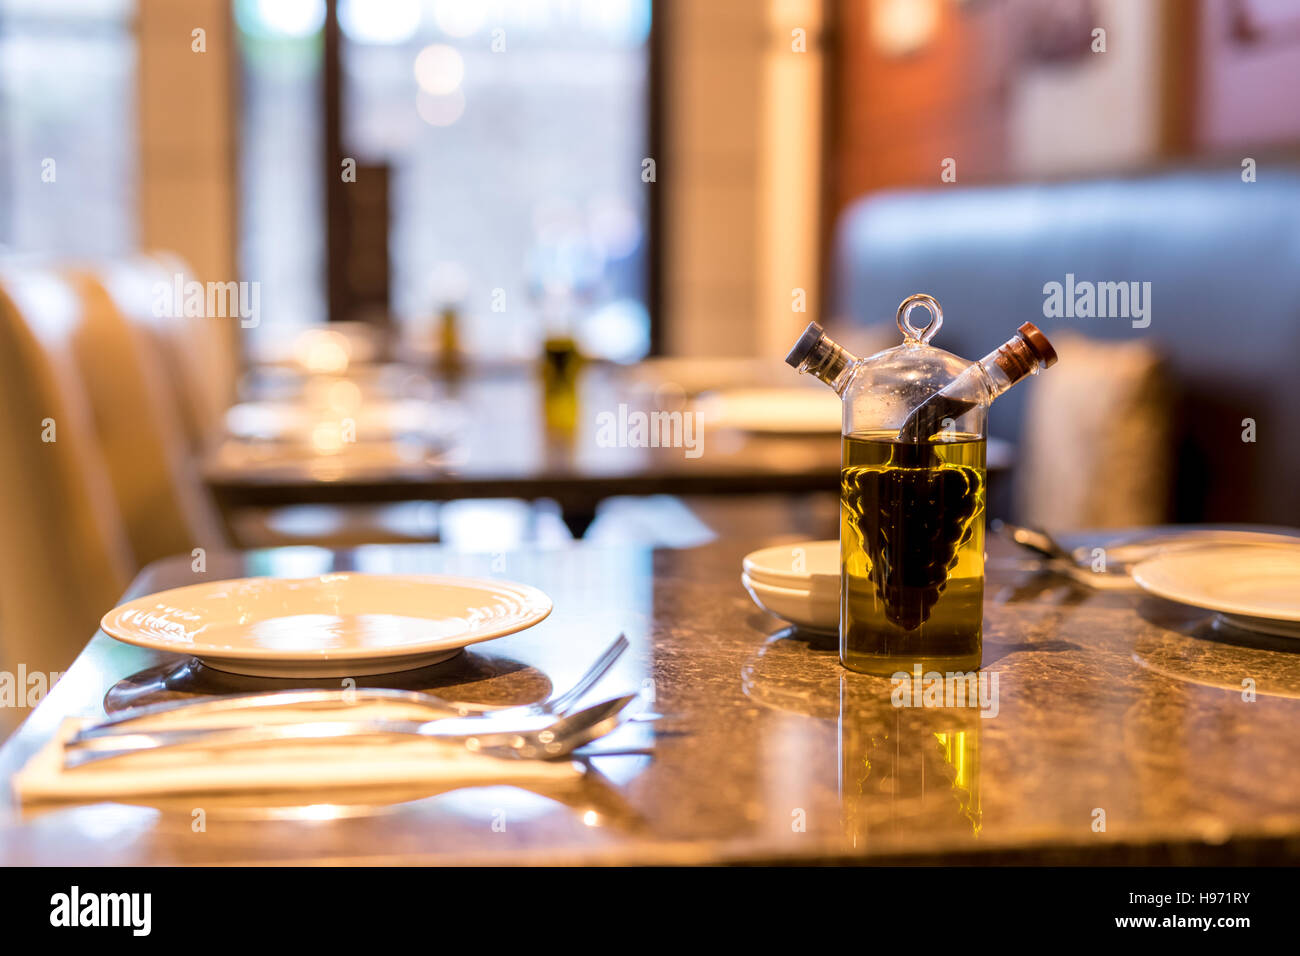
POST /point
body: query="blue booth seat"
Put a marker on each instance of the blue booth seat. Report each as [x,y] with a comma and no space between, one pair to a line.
[1219,259]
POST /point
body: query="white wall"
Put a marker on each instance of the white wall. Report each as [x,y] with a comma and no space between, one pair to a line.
[1096,114]
[741,175]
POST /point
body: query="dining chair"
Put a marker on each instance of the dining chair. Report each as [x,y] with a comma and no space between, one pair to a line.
[192,358]
[160,494]
[198,354]
[1097,444]
[64,554]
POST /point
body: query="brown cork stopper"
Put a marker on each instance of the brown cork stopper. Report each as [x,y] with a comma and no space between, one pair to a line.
[1037,341]
[1025,353]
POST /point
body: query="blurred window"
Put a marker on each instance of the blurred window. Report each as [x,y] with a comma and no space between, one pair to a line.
[67,127]
[281,212]
[513,132]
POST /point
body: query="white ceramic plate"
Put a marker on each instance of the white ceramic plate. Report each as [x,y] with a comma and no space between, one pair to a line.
[289,421]
[819,613]
[1131,549]
[334,625]
[1253,586]
[780,411]
[805,565]
[693,376]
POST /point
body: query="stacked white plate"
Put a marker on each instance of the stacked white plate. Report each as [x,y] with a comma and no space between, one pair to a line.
[799,583]
[294,422]
[778,411]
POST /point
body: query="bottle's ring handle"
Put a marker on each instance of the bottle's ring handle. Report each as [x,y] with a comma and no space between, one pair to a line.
[931,305]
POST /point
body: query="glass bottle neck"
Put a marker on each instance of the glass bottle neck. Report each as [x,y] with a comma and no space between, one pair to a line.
[1008,364]
[830,363]
[992,376]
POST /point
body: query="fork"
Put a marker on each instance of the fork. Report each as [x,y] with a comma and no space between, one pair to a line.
[559,704]
[544,738]
[1035,540]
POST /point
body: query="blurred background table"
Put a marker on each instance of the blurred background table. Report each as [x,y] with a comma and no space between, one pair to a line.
[495,443]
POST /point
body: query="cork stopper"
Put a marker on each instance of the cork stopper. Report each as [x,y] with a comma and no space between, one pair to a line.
[1038,344]
[816,353]
[1026,353]
[803,348]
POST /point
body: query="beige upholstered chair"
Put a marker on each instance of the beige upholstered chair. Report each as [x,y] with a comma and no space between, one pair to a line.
[1097,438]
[160,495]
[64,555]
[199,355]
[191,365]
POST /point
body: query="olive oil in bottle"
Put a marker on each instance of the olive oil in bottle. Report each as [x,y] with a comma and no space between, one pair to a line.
[911,553]
[561,365]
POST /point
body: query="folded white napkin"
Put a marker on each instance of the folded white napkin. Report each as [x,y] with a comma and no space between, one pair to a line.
[314,765]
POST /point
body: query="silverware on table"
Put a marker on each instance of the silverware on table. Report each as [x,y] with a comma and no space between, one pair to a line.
[559,704]
[1078,565]
[1033,539]
[540,736]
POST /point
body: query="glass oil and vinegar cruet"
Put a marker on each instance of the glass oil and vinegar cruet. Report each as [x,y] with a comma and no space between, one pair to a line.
[913,489]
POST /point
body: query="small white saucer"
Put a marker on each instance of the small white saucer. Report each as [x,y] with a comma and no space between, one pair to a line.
[800,608]
[799,583]
[807,565]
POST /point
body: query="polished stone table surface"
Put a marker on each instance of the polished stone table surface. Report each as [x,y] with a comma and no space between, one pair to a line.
[1112,707]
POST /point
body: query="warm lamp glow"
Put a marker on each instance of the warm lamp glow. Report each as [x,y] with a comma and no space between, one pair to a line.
[323,351]
[327,438]
[343,397]
[900,27]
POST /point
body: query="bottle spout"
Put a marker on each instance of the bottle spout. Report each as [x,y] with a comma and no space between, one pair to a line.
[1026,353]
[803,348]
[1038,343]
[816,353]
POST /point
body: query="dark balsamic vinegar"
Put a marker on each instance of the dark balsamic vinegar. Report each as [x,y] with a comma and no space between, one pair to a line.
[912,553]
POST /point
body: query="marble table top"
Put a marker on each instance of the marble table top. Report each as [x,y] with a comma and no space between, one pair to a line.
[1115,728]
